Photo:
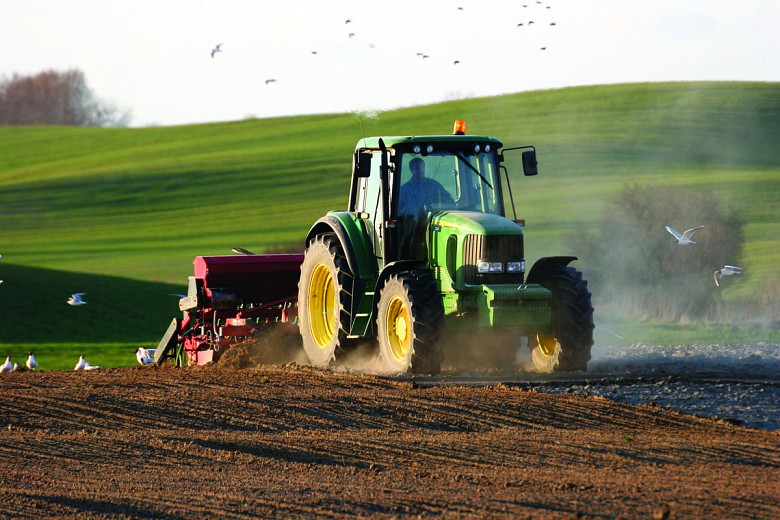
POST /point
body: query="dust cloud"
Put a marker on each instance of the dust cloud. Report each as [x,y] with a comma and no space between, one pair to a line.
[462,353]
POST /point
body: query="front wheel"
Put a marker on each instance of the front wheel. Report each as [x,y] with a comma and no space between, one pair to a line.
[410,318]
[568,346]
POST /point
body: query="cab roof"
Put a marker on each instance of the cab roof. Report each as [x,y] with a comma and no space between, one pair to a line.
[395,141]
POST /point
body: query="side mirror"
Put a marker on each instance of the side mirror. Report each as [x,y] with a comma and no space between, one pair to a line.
[529,163]
[361,164]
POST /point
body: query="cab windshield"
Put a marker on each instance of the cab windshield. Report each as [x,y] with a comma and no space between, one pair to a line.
[449,179]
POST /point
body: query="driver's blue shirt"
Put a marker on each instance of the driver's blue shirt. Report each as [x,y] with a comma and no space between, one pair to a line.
[416,193]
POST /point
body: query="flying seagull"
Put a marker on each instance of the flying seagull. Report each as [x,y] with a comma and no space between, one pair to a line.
[687,236]
[143,356]
[241,251]
[216,50]
[7,366]
[270,81]
[84,365]
[727,270]
[31,363]
[75,299]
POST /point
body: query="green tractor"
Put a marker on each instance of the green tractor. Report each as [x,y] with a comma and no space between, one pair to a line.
[425,253]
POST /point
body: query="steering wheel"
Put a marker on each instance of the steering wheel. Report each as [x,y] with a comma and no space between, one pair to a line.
[440,197]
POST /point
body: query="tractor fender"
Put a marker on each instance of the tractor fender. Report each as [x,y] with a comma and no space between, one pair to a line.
[353,241]
[541,268]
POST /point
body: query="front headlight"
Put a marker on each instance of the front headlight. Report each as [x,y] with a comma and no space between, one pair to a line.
[486,266]
[515,267]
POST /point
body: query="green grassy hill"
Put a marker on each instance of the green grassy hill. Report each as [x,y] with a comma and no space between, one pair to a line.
[120,213]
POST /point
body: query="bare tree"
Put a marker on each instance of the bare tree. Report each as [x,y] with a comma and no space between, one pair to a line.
[55,98]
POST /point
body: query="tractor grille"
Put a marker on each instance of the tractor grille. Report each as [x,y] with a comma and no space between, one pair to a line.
[496,248]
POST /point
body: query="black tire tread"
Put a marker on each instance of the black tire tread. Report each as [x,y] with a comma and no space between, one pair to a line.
[572,317]
[427,314]
[344,279]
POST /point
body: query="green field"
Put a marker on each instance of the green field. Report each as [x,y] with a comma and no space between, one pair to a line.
[119,213]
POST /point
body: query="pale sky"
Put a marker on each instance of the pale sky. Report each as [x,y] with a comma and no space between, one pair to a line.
[154,57]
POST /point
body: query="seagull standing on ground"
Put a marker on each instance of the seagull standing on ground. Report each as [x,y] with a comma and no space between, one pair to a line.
[7,366]
[143,356]
[31,363]
[727,270]
[84,365]
[216,50]
[686,237]
[75,299]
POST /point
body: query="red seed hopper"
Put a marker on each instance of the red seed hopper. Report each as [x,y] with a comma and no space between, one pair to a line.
[230,299]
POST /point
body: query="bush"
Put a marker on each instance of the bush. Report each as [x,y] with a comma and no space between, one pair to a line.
[635,266]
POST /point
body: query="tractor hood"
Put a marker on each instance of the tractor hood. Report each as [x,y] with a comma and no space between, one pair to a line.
[475,222]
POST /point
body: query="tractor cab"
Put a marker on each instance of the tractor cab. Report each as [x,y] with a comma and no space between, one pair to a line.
[424,177]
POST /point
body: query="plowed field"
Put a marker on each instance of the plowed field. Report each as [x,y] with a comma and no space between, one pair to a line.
[289,441]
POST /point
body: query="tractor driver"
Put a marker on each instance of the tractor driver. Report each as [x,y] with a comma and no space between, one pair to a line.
[419,190]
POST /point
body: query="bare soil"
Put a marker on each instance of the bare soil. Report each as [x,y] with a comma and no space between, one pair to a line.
[289,441]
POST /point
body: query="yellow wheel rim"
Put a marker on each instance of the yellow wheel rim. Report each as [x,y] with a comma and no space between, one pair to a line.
[546,345]
[397,325]
[322,306]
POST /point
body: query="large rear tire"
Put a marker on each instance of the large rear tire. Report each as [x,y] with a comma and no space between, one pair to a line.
[324,299]
[410,319]
[567,349]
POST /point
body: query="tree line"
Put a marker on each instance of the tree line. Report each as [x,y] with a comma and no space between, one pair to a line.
[55,98]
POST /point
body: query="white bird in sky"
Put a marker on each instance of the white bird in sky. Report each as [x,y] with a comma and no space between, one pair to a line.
[75,299]
[686,237]
[31,363]
[727,270]
[84,365]
[7,366]
[216,50]
[143,356]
